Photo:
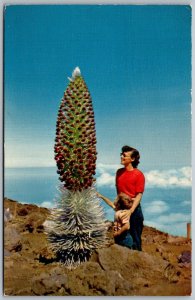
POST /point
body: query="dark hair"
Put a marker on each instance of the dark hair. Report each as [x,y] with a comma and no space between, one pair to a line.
[135,154]
[123,203]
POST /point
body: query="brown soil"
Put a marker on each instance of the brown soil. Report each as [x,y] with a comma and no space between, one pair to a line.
[163,268]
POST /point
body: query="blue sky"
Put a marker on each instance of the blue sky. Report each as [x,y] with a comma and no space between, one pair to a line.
[136,61]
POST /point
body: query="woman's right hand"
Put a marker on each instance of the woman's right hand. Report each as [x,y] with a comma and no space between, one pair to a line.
[126,213]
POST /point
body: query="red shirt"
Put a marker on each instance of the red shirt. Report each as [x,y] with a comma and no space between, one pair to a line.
[130,182]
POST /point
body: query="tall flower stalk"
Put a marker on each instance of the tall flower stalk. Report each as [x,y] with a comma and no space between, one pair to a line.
[75,145]
[76,227]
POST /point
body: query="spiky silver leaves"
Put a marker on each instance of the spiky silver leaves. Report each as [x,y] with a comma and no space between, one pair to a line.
[77,226]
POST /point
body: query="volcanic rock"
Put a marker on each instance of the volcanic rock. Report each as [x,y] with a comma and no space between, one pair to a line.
[163,268]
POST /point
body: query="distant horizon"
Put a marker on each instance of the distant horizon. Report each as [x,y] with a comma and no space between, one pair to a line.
[165,206]
[105,176]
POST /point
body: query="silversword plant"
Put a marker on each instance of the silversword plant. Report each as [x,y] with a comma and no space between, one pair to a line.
[76,227]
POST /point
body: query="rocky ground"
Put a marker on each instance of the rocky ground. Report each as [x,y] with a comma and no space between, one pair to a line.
[163,268]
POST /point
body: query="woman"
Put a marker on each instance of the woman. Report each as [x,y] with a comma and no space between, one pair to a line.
[131,181]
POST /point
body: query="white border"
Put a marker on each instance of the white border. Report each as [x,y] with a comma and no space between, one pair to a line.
[105,2]
[93,2]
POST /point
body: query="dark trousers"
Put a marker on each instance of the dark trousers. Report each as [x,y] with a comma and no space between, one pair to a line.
[136,228]
[124,239]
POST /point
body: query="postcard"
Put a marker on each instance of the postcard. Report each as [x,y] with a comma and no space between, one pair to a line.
[97,157]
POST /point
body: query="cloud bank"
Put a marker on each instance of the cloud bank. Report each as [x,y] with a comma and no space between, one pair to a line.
[156,207]
[180,178]
[169,178]
[158,214]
